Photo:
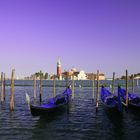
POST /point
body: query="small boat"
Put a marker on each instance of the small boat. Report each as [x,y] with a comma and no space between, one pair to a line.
[58,103]
[133,99]
[110,101]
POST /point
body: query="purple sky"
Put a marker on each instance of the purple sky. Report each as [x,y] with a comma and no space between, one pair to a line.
[86,34]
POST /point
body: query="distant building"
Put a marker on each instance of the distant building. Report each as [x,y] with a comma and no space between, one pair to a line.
[82,75]
[74,74]
[77,75]
[59,69]
[137,77]
[74,69]
[101,76]
[93,76]
[52,77]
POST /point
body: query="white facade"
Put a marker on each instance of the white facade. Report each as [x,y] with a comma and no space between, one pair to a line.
[82,75]
[137,77]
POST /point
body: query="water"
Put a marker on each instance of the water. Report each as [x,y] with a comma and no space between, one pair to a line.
[82,122]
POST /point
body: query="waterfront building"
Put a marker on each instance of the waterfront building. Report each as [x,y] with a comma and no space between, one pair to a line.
[93,76]
[101,76]
[82,75]
[74,74]
[137,77]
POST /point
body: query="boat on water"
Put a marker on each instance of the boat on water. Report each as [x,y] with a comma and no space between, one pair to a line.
[110,101]
[52,105]
[133,99]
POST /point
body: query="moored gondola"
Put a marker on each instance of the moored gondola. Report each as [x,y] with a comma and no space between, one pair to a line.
[133,99]
[111,102]
[53,105]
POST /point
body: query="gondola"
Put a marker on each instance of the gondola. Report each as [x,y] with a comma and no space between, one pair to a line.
[53,105]
[110,101]
[133,99]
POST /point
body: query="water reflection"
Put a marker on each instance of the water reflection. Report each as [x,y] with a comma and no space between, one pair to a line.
[80,122]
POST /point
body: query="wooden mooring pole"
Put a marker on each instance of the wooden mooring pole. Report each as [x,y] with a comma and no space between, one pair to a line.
[93,96]
[12,91]
[113,82]
[97,95]
[67,74]
[67,79]
[4,84]
[132,83]
[54,86]
[34,87]
[73,86]
[126,88]
[40,91]
[2,87]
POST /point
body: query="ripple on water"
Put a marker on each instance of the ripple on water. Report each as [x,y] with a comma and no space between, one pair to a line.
[82,122]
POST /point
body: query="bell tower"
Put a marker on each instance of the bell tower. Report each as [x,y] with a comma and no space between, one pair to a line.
[59,69]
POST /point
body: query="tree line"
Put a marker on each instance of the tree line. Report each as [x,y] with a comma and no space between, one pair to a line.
[131,76]
[40,73]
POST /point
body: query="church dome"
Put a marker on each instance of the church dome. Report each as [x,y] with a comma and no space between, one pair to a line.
[74,69]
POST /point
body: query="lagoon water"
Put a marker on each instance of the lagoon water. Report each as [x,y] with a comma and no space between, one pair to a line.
[81,123]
